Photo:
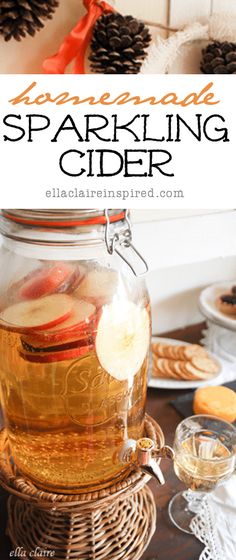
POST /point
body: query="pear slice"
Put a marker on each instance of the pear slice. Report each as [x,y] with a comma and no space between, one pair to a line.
[122,339]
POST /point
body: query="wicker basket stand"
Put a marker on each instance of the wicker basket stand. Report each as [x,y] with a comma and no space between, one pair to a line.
[114,523]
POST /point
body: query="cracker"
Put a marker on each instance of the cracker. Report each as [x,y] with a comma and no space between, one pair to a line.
[194,350]
[157,364]
[207,365]
[177,352]
[182,355]
[184,372]
[157,373]
[157,349]
[183,362]
[169,366]
[160,363]
[169,351]
[178,367]
[165,366]
[195,373]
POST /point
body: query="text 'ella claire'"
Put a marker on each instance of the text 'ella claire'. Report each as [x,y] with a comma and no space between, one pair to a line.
[20,552]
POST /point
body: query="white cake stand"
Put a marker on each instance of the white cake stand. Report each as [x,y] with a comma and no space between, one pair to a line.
[220,336]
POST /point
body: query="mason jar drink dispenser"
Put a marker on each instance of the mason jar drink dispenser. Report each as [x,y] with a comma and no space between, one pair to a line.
[74,339]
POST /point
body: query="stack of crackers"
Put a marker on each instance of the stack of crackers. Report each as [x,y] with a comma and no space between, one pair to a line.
[187,362]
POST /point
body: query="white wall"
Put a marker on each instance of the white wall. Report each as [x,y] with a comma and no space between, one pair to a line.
[175,291]
[27,56]
[186,251]
[183,239]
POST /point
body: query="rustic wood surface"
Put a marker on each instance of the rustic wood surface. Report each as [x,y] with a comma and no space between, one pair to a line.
[167,542]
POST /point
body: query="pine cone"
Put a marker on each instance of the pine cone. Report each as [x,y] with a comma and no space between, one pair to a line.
[219,58]
[21,17]
[118,44]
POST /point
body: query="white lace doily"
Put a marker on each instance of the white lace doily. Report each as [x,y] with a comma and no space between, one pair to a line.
[215,526]
[203,528]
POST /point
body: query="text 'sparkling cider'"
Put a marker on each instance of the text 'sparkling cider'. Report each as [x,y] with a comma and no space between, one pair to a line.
[74,341]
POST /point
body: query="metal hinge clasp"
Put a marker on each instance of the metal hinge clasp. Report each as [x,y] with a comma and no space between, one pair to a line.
[117,241]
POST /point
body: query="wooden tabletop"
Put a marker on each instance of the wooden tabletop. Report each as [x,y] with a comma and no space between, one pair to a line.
[167,542]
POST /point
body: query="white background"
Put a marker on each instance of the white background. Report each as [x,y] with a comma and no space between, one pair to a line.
[186,251]
[203,170]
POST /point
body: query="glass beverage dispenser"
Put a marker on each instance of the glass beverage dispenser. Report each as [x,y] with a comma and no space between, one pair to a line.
[74,340]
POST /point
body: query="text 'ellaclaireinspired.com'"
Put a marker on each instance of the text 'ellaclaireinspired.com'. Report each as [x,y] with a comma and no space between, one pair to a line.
[111,194]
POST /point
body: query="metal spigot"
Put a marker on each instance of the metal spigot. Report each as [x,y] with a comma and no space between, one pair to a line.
[147,455]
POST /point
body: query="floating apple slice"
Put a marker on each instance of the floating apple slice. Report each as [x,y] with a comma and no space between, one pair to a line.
[27,347]
[32,343]
[45,281]
[36,342]
[56,356]
[122,338]
[98,286]
[79,325]
[81,316]
[38,314]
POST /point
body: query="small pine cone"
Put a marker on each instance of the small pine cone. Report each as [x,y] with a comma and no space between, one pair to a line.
[118,44]
[219,58]
[19,18]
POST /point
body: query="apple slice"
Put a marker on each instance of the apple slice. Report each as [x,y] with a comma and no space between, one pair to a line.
[32,343]
[56,347]
[82,314]
[79,325]
[123,338]
[98,286]
[38,314]
[45,281]
[37,342]
[55,356]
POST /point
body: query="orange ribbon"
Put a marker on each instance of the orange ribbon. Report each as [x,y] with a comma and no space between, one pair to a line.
[76,43]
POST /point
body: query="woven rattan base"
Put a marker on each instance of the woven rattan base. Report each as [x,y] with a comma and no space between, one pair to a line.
[121,530]
[113,524]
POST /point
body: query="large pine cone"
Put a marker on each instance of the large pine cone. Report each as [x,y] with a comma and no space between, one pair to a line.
[21,17]
[118,44]
[219,58]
